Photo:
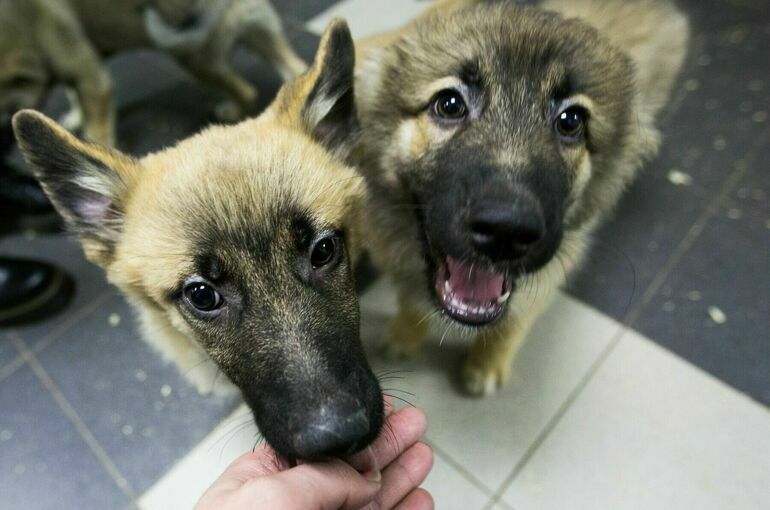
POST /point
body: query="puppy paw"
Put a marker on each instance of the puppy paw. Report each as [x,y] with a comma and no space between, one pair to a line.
[228,111]
[483,381]
[72,121]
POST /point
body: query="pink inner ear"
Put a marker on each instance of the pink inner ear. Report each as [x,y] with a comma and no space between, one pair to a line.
[94,209]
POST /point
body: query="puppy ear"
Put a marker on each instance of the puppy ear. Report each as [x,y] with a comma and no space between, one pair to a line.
[328,110]
[86,183]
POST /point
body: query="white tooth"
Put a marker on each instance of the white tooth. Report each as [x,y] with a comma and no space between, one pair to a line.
[502,299]
[447,288]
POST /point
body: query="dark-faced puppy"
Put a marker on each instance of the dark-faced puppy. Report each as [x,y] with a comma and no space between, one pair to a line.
[495,138]
[236,246]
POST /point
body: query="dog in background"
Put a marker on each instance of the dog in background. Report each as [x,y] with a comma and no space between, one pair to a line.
[43,43]
[495,138]
[236,246]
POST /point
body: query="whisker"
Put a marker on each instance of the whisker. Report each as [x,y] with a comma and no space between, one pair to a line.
[399,398]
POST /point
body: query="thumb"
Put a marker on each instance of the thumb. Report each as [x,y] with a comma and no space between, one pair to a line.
[263,461]
[327,485]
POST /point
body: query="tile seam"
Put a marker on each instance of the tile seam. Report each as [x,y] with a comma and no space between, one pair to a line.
[86,435]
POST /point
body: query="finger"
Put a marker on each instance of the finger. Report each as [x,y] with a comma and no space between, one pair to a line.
[418,499]
[318,485]
[400,431]
[403,476]
[387,403]
[262,461]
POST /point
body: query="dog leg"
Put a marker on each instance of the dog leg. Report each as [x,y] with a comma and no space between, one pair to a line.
[74,59]
[263,34]
[96,98]
[219,75]
[273,46]
[487,366]
[408,331]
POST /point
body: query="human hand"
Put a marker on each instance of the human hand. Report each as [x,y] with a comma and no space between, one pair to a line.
[383,476]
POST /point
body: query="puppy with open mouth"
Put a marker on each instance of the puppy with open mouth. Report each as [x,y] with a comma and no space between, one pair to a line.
[495,138]
[236,246]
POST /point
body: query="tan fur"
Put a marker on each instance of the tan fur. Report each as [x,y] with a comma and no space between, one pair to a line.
[399,71]
[229,175]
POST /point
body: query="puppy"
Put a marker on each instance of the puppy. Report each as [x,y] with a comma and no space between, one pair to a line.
[43,43]
[495,138]
[236,246]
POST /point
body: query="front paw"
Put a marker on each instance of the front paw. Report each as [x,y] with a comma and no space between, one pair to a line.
[484,380]
[228,111]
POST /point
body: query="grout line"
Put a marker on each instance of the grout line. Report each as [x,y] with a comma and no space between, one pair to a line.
[696,230]
[633,315]
[459,468]
[47,339]
[70,321]
[13,365]
[74,418]
[556,418]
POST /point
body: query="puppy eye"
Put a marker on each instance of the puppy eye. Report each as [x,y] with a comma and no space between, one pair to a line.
[324,252]
[570,124]
[202,296]
[449,104]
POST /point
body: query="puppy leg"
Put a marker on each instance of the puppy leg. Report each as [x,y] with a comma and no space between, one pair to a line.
[96,98]
[487,366]
[218,74]
[74,60]
[408,331]
[274,48]
[263,34]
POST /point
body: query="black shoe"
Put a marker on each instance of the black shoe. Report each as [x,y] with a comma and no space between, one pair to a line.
[31,291]
[23,205]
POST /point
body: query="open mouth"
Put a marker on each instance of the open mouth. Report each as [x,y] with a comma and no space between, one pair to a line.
[470,294]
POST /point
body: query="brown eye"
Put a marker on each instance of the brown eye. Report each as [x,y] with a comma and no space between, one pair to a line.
[449,104]
[203,296]
[570,123]
[324,252]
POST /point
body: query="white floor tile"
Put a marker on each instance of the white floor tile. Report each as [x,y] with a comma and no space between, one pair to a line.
[451,490]
[489,436]
[184,484]
[367,17]
[651,431]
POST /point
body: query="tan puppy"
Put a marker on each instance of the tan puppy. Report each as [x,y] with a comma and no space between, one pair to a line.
[44,42]
[236,246]
[495,138]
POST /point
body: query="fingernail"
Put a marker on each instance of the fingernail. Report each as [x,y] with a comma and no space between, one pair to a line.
[373,476]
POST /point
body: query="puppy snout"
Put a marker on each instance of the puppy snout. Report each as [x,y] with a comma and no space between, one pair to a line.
[336,430]
[506,230]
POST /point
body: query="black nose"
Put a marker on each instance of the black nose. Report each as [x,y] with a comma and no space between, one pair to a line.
[334,430]
[506,230]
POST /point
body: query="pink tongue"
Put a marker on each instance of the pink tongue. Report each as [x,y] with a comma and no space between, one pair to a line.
[473,283]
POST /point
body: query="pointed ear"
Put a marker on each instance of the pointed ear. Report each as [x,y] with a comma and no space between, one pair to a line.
[86,183]
[328,110]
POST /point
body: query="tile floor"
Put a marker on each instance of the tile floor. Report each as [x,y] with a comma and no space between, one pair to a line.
[626,396]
